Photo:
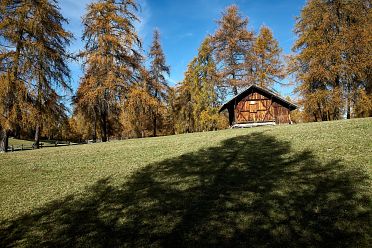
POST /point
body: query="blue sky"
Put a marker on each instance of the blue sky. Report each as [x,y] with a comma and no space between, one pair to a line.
[184,24]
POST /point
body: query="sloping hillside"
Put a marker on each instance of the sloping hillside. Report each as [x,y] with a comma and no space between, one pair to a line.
[298,185]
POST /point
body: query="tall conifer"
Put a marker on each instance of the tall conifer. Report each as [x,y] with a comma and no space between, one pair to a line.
[48,61]
[111,60]
[233,48]
[158,86]
[198,95]
[333,62]
[13,15]
[267,64]
[36,62]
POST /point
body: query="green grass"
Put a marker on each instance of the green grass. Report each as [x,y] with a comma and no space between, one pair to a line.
[284,186]
[19,142]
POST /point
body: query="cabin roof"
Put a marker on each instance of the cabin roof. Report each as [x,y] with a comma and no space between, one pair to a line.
[262,91]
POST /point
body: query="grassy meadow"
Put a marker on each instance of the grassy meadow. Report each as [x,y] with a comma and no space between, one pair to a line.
[306,185]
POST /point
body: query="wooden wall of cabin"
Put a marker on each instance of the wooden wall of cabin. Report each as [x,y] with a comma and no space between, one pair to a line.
[258,108]
[281,113]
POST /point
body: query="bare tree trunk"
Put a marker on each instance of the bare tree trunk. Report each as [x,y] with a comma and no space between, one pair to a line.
[39,103]
[17,131]
[18,128]
[95,131]
[4,140]
[348,101]
[321,114]
[154,119]
[154,131]
[348,108]
[369,90]
[104,128]
[235,89]
[336,115]
[37,137]
[315,117]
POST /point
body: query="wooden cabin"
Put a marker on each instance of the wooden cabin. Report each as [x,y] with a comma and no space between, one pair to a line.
[258,105]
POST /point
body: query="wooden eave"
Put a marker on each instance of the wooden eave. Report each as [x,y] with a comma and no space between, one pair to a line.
[269,94]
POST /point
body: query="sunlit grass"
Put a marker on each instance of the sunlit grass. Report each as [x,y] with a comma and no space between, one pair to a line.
[285,180]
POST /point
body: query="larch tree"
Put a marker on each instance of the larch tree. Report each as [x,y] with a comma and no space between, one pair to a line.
[158,86]
[47,58]
[111,60]
[170,115]
[199,95]
[136,112]
[79,128]
[204,82]
[183,108]
[137,108]
[267,64]
[13,19]
[233,48]
[332,62]
[36,63]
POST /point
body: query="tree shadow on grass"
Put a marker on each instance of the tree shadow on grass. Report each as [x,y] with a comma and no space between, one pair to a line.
[251,191]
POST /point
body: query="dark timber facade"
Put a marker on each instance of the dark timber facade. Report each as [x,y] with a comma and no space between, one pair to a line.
[257,105]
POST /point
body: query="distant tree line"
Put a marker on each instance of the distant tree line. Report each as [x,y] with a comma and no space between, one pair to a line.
[124,91]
